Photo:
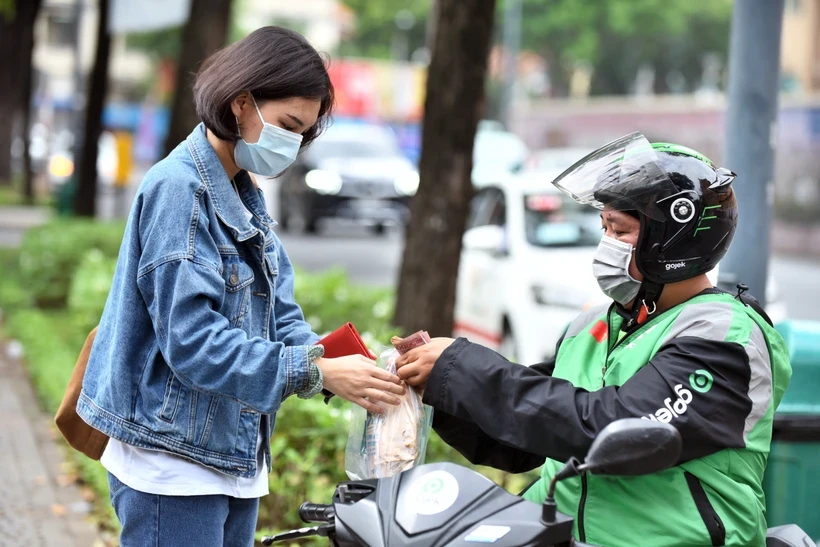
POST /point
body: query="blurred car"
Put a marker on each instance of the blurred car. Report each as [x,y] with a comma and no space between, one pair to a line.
[496,152]
[526,267]
[354,171]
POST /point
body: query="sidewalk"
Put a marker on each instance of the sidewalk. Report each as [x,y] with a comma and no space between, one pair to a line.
[38,506]
[14,221]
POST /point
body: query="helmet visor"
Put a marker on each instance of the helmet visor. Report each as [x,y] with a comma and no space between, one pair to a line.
[624,175]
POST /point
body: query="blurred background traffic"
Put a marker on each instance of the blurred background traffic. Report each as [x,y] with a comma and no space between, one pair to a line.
[96,91]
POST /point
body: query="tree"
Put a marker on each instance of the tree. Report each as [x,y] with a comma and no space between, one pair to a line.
[205,32]
[616,37]
[452,108]
[28,14]
[85,197]
[16,46]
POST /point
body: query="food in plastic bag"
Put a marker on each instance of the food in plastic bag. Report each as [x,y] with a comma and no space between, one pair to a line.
[384,445]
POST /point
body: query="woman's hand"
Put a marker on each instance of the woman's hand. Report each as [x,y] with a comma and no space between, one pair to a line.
[360,381]
[416,365]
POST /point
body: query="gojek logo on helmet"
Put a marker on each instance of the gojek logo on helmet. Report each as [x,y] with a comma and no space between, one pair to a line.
[701,381]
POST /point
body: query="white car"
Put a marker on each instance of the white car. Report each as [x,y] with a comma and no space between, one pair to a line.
[526,267]
[497,151]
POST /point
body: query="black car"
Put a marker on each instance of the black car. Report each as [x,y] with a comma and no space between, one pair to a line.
[351,171]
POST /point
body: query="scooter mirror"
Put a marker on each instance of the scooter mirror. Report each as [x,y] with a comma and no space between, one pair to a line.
[633,446]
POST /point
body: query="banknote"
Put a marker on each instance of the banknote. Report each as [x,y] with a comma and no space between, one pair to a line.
[403,345]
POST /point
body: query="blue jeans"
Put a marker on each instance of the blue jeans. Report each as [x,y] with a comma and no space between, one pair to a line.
[182,521]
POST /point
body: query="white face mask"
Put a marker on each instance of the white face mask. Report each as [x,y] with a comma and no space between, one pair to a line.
[275,150]
[611,268]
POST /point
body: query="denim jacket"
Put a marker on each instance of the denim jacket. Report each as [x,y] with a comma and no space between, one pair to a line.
[200,340]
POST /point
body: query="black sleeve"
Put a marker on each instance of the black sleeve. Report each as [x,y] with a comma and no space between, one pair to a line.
[700,386]
[481,449]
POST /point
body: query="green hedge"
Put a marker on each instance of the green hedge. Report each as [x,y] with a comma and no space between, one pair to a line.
[50,255]
[57,285]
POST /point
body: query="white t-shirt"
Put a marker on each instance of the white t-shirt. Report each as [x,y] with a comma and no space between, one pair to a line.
[163,473]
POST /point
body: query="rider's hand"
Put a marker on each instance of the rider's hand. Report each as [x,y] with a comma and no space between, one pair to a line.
[416,365]
[360,381]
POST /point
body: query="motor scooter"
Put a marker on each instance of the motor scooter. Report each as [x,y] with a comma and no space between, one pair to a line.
[448,505]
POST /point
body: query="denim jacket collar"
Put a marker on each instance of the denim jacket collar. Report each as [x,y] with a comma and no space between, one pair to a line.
[226,203]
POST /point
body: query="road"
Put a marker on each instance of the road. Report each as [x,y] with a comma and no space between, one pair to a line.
[375,260]
[368,259]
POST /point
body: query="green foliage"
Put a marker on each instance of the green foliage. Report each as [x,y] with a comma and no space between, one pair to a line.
[47,339]
[616,37]
[13,294]
[158,44]
[11,193]
[328,300]
[376,27]
[8,9]
[89,288]
[51,253]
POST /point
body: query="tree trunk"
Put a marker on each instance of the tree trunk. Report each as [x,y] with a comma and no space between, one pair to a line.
[205,32]
[452,108]
[16,43]
[10,44]
[85,198]
[27,14]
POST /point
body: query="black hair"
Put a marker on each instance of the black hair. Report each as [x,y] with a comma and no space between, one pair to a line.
[271,63]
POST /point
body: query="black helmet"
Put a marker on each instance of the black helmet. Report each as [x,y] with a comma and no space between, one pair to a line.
[685,203]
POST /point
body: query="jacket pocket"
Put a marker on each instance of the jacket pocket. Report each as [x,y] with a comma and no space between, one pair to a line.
[171,400]
[238,276]
[713,522]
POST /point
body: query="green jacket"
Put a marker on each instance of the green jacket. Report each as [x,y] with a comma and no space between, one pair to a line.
[711,366]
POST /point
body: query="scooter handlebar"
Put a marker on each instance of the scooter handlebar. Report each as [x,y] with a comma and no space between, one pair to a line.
[316,512]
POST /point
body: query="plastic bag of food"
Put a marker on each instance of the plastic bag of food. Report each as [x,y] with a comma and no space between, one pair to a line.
[384,445]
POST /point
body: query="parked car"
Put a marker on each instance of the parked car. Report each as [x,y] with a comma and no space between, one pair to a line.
[354,171]
[496,152]
[526,267]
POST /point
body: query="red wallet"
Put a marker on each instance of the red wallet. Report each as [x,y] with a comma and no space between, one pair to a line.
[344,341]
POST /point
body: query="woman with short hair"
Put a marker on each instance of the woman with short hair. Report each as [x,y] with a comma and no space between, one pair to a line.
[201,339]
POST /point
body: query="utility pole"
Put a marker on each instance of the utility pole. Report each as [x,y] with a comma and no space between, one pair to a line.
[512,46]
[751,130]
